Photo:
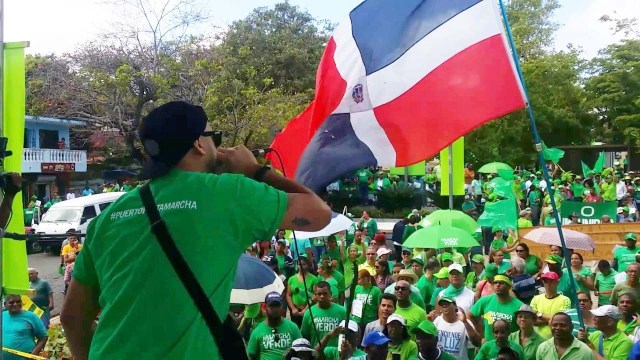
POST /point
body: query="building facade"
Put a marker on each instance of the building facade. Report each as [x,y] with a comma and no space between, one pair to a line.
[48,163]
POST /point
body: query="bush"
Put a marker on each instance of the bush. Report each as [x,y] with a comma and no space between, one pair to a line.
[397,197]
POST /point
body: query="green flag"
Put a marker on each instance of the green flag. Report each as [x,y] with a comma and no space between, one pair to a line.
[585,170]
[502,213]
[506,174]
[599,163]
[552,154]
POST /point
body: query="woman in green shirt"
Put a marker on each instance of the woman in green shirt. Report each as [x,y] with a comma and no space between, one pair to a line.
[366,299]
[532,263]
[299,289]
[401,343]
[582,276]
[366,222]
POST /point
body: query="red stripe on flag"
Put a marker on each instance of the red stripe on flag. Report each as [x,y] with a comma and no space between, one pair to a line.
[291,142]
[473,87]
[330,87]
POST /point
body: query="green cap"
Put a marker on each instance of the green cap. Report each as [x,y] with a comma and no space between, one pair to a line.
[490,271]
[34,197]
[418,260]
[447,299]
[554,259]
[495,229]
[404,248]
[442,274]
[631,236]
[538,173]
[446,256]
[426,327]
[477,258]
[625,208]
[502,278]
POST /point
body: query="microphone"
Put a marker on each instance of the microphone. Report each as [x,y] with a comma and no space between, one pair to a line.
[259,152]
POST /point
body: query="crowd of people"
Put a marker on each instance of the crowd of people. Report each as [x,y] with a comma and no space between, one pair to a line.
[442,304]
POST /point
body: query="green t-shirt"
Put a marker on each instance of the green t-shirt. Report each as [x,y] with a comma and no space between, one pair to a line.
[531,265]
[625,257]
[28,216]
[364,175]
[325,320]
[370,299]
[490,309]
[334,254]
[616,347]
[337,283]
[266,344]
[371,226]
[550,220]
[605,284]
[407,350]
[349,272]
[490,349]
[298,293]
[498,244]
[530,348]
[534,198]
[608,191]
[426,287]
[281,262]
[524,223]
[585,272]
[136,282]
[413,315]
[332,353]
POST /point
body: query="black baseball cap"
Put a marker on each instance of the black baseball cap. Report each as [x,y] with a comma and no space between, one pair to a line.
[167,134]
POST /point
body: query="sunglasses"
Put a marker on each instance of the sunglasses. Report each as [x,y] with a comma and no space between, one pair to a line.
[216,135]
[401,288]
[371,254]
[276,337]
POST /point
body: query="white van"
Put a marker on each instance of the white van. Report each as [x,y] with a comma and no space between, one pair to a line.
[71,214]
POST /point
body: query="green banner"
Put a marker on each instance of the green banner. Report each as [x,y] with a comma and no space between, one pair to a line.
[418,169]
[503,213]
[588,213]
[15,279]
[457,161]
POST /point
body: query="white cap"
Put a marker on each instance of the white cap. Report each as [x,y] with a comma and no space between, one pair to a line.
[382,251]
[619,210]
[606,310]
[396,317]
[353,326]
[456,267]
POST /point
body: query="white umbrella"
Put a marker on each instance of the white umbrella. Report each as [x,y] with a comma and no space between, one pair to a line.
[253,281]
[573,239]
[338,223]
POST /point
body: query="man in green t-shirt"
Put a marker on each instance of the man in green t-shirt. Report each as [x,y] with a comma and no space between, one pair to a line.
[624,256]
[272,338]
[608,342]
[363,176]
[326,317]
[500,305]
[139,292]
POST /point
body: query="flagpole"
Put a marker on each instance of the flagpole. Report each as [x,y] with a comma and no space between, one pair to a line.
[450,151]
[1,165]
[545,172]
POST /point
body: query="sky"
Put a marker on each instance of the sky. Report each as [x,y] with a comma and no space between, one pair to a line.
[61,25]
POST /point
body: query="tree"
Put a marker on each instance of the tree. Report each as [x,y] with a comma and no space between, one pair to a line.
[266,65]
[532,27]
[614,92]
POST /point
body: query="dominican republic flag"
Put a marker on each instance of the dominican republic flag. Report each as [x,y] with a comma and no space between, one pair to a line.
[398,82]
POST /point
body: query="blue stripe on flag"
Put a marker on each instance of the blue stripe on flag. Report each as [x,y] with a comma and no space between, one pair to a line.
[386,29]
[334,151]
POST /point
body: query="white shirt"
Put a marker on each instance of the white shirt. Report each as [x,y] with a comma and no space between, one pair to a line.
[621,190]
[453,338]
[464,301]
[543,185]
[71,196]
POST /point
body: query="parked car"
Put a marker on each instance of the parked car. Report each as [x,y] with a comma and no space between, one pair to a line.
[73,214]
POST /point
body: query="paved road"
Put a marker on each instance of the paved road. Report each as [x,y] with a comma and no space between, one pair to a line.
[47,266]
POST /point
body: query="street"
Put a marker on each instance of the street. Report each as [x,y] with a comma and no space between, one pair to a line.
[47,266]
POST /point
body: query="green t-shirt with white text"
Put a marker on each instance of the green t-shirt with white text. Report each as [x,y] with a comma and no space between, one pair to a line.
[140,294]
[266,344]
[490,309]
[325,320]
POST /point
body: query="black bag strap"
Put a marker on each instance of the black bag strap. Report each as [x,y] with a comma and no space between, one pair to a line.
[229,342]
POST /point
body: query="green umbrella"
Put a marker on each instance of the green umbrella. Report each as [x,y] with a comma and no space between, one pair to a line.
[452,218]
[492,168]
[440,236]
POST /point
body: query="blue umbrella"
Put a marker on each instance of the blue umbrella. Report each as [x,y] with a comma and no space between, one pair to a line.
[254,280]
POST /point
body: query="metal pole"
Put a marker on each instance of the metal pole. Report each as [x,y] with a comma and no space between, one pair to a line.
[545,172]
[450,151]
[406,175]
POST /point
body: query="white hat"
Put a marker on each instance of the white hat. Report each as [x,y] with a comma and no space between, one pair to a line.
[606,310]
[382,251]
[396,317]
[619,210]
[353,326]
[302,345]
[457,267]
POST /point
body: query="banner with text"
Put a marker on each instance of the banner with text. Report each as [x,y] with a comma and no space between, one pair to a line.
[588,213]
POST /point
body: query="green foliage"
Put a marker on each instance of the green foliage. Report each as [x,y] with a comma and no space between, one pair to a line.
[397,197]
[614,92]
